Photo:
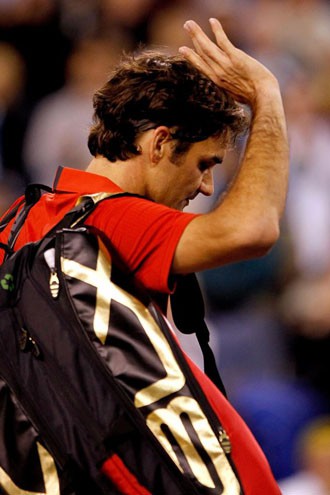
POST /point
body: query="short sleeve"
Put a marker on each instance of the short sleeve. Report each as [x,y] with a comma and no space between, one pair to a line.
[144,235]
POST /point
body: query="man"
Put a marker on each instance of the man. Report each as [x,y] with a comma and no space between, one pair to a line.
[246,222]
[161,125]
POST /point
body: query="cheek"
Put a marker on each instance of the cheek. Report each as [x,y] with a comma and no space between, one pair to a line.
[195,181]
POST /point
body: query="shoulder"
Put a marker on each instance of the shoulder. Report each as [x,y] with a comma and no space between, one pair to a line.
[143,235]
[129,208]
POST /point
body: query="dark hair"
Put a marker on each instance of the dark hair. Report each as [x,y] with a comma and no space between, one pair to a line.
[150,89]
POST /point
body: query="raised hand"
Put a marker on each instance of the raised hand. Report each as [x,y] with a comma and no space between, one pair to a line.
[229,67]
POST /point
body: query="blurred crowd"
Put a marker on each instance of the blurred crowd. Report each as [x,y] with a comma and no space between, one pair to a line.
[270,318]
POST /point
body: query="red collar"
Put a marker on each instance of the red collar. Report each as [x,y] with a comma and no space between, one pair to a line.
[79,181]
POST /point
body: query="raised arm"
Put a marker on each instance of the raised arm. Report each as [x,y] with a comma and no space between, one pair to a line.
[246,222]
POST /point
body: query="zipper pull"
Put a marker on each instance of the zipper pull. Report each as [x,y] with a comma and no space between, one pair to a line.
[225,441]
[54,283]
[23,339]
[34,348]
[28,344]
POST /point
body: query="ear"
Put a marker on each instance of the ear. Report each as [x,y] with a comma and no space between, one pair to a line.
[159,144]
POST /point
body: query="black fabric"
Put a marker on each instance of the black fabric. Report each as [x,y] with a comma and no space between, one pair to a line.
[188,314]
[32,195]
[10,215]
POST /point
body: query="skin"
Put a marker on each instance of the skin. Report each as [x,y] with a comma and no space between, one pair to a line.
[175,183]
[155,174]
[246,222]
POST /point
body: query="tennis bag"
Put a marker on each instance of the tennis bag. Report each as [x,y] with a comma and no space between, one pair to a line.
[96,395]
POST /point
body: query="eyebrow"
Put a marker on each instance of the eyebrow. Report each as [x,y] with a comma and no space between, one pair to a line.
[212,160]
[217,159]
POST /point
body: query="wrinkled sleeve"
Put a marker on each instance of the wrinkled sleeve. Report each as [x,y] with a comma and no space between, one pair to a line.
[144,234]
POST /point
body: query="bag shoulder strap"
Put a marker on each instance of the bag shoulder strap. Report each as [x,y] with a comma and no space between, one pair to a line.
[31,197]
[84,207]
[188,313]
[187,301]
[33,192]
[187,294]
[5,220]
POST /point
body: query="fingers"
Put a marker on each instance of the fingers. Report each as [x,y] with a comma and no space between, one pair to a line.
[220,36]
[202,42]
[206,56]
[196,60]
[227,66]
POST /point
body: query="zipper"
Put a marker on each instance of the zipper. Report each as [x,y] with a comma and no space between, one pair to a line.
[68,393]
[28,343]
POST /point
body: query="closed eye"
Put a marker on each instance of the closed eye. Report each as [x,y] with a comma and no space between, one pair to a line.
[209,163]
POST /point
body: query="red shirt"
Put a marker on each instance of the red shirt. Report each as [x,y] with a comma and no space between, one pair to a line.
[142,233]
[145,235]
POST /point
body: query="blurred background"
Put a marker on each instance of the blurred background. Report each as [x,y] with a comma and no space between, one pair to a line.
[269,318]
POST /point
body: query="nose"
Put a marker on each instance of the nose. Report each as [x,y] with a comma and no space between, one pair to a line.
[207,184]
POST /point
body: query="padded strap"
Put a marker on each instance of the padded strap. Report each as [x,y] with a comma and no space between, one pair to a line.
[84,207]
[10,215]
[32,195]
[187,301]
[187,294]
[188,314]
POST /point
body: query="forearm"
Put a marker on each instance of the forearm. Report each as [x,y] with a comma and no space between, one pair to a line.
[245,224]
[261,185]
[258,193]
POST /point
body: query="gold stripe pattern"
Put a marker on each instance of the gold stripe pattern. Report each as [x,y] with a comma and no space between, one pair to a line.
[50,477]
[172,414]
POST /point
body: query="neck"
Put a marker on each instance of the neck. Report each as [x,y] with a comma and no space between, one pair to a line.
[126,174]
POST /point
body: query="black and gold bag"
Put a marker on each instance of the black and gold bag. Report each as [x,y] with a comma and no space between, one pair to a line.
[96,396]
